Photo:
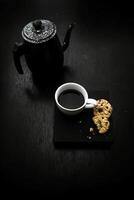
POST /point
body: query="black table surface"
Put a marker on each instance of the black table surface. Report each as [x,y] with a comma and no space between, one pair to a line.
[100,57]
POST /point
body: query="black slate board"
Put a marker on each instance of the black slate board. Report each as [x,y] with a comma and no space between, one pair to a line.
[74,131]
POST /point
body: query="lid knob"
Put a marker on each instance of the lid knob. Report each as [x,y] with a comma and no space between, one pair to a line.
[37,24]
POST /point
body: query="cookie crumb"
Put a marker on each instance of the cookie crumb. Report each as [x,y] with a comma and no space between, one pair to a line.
[91,129]
[89,137]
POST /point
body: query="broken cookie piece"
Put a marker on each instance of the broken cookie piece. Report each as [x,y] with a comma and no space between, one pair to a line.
[101,123]
[103,107]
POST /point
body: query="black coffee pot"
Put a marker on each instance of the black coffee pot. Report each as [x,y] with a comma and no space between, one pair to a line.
[41,47]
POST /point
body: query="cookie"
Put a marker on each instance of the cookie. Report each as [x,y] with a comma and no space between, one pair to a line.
[102,123]
[103,107]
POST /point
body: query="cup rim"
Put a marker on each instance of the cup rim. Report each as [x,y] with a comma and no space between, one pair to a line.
[73,109]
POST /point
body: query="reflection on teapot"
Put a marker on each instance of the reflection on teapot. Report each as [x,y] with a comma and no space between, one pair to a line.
[41,47]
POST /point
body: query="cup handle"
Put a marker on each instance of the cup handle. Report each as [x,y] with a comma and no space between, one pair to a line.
[90,103]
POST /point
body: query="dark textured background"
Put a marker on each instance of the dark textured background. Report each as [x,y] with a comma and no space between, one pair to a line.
[100,57]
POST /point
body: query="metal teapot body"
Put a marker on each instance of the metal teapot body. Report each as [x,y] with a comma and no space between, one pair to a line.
[41,47]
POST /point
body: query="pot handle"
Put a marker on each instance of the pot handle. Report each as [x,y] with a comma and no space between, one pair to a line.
[18,51]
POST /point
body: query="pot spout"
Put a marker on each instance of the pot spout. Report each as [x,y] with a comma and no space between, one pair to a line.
[67,37]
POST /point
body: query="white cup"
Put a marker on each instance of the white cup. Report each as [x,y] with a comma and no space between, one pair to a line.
[88,102]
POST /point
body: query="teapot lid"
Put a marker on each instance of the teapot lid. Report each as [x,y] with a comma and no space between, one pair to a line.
[39,31]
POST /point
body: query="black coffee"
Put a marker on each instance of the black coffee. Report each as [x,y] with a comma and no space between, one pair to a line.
[71,99]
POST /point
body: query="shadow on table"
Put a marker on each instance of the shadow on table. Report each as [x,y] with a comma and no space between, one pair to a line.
[45,86]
